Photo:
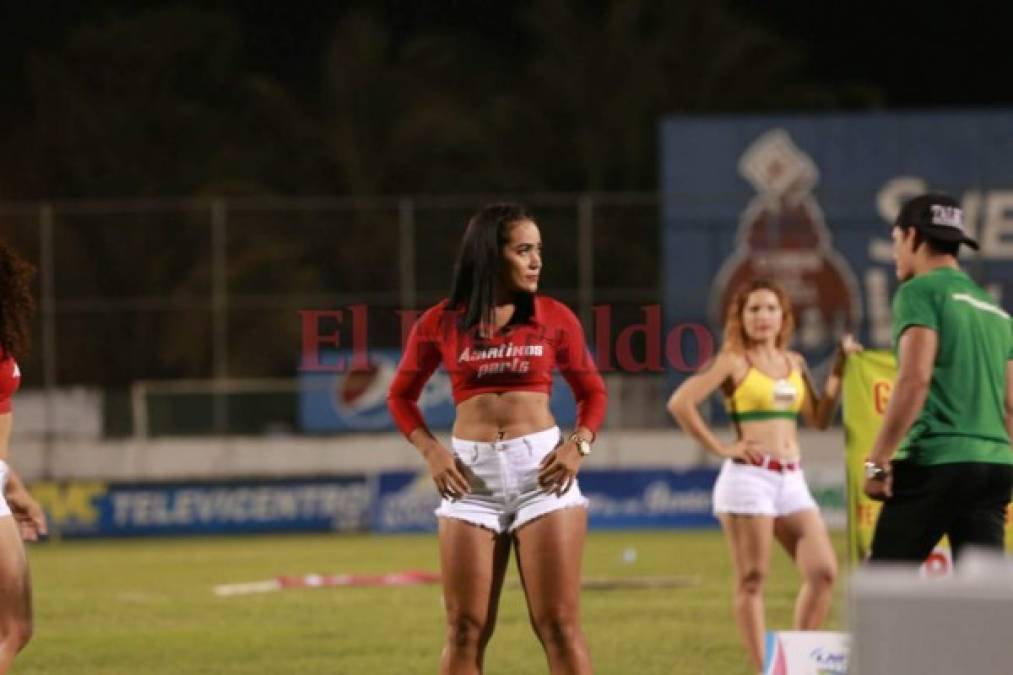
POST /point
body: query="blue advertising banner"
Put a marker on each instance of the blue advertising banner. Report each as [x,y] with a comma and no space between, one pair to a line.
[639,498]
[620,499]
[405,501]
[391,502]
[123,509]
[809,200]
[357,400]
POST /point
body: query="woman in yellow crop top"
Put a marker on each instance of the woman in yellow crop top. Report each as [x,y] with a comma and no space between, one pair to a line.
[761,493]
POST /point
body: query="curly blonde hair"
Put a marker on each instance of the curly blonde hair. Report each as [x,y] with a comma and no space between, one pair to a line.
[735,338]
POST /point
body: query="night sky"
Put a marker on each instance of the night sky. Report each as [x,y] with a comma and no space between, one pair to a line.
[916,55]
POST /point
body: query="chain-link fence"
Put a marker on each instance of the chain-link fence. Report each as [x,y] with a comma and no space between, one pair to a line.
[178,317]
[185,317]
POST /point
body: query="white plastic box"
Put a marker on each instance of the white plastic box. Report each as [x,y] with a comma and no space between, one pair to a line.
[904,623]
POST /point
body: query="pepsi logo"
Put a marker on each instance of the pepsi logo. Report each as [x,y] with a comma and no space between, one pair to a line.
[364,388]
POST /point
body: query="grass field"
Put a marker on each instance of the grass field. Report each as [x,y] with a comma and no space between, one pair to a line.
[146,607]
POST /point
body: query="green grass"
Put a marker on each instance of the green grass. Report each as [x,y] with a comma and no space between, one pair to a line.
[146,607]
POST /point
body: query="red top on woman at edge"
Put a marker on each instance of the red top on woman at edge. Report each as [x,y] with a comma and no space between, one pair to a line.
[518,358]
[10,380]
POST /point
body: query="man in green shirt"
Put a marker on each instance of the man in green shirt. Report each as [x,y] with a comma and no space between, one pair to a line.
[942,461]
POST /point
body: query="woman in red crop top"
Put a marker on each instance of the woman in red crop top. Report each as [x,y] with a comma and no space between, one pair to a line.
[509,476]
[20,515]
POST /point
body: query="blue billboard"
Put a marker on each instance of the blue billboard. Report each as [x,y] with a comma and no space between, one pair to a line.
[405,502]
[397,501]
[809,201]
[96,509]
[619,499]
[649,498]
[357,400]
[389,502]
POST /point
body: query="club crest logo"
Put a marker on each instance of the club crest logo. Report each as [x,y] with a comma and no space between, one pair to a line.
[783,236]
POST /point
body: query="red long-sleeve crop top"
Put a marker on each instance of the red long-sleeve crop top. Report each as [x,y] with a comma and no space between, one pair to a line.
[519,358]
[10,380]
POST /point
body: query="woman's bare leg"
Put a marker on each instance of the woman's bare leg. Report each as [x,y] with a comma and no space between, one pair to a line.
[473,561]
[550,550]
[15,594]
[804,536]
[749,539]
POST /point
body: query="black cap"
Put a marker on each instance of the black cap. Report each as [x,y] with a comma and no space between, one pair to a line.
[937,216]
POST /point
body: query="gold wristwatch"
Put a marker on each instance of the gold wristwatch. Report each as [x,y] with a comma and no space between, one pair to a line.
[583,445]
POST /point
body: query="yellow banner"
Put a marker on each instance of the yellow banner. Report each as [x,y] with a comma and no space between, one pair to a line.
[868,383]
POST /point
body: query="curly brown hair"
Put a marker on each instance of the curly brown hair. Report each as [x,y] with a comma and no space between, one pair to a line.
[17,303]
[735,339]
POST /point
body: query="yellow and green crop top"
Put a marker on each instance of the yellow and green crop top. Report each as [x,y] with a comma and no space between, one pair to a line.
[761,397]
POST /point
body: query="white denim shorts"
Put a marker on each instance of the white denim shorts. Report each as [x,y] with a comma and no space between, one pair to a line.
[5,509]
[503,476]
[744,489]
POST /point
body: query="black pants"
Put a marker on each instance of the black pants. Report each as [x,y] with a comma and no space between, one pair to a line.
[967,502]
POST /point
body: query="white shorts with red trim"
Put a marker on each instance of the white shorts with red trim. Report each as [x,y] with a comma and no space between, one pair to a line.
[745,489]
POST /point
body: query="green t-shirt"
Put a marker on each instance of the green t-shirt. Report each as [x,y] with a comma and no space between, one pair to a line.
[963,419]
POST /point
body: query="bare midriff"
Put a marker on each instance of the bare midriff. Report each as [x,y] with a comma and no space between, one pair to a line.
[498,416]
[778,437]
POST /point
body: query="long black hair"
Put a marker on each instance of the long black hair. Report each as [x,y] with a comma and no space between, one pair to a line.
[477,269]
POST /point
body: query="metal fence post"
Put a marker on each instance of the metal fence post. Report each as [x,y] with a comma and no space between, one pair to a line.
[47,304]
[406,252]
[139,408]
[220,312]
[585,258]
